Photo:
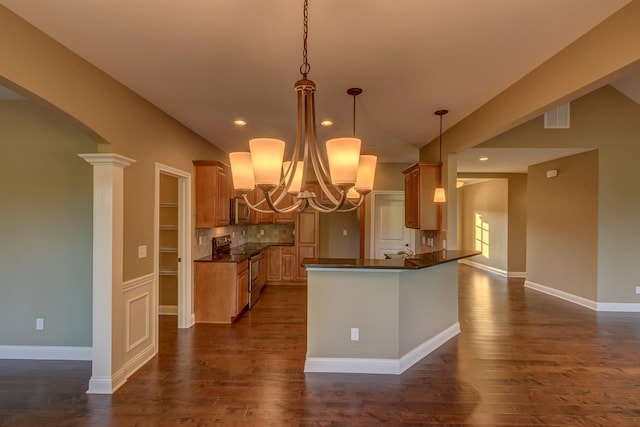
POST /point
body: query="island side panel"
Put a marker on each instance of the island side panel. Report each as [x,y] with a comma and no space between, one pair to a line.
[428,304]
[340,300]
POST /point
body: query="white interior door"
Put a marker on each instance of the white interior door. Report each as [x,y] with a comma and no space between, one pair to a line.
[389,233]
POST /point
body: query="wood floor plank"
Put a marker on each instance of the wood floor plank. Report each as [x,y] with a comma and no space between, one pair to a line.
[522,358]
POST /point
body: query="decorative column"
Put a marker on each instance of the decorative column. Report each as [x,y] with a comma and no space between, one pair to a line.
[108,189]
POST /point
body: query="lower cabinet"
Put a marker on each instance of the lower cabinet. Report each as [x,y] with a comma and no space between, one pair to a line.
[281,264]
[221,291]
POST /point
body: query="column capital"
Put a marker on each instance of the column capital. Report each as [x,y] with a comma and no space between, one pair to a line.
[107,159]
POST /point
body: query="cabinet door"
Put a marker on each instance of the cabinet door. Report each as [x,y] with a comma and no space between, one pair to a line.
[307,229]
[212,194]
[222,197]
[304,251]
[288,263]
[411,199]
[274,269]
[242,286]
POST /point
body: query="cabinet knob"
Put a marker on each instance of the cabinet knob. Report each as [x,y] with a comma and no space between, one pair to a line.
[179,259]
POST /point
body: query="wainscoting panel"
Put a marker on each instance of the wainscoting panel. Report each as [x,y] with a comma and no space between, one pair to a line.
[140,317]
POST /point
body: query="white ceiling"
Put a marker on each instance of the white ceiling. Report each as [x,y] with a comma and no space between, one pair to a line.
[208,62]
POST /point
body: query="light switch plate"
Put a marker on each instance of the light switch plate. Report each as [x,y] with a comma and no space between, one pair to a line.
[142,251]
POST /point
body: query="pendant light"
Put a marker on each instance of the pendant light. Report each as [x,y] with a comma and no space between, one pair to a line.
[439,196]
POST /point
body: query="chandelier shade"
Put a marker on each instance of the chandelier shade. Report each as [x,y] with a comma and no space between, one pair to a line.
[266,160]
[242,171]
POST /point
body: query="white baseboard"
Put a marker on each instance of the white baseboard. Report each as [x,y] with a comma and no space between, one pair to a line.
[503,273]
[106,385]
[490,269]
[38,352]
[625,307]
[170,310]
[517,274]
[354,365]
[561,294]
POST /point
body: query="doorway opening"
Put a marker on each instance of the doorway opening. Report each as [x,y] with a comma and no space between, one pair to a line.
[172,243]
[388,233]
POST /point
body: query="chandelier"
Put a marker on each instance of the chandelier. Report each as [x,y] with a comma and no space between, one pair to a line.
[344,184]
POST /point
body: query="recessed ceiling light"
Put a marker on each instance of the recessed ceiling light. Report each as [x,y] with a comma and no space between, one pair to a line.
[239,122]
[326,123]
[483,159]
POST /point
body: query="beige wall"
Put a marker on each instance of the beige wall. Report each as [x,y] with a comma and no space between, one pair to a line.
[563,225]
[489,199]
[333,242]
[40,68]
[610,122]
[46,227]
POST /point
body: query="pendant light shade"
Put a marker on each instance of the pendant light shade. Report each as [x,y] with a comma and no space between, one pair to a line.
[344,157]
[366,173]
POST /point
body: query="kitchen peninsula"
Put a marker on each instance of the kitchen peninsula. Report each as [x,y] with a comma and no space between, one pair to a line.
[380,315]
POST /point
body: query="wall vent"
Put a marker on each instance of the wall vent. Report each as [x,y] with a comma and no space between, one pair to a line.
[558,118]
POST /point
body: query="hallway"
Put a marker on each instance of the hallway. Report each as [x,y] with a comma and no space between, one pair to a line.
[523,358]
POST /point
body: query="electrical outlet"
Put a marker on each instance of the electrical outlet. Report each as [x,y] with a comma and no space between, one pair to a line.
[200,240]
[142,251]
[424,240]
[355,334]
[233,234]
[638,290]
[39,324]
[261,232]
[344,232]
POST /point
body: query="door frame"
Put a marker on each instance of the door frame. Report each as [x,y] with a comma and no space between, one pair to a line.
[372,220]
[186,317]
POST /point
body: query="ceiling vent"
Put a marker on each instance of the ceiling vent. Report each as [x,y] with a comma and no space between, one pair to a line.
[558,118]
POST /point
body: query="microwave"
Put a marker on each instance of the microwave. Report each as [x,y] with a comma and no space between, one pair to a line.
[239,211]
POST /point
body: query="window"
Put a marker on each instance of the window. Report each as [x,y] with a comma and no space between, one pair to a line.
[481,235]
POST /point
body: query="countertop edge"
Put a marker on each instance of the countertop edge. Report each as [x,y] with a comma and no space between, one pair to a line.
[249,248]
[417,262]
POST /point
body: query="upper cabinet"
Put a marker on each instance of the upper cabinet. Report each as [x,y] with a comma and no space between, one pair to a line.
[420,182]
[212,194]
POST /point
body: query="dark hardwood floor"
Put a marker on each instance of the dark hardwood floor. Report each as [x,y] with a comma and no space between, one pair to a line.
[523,358]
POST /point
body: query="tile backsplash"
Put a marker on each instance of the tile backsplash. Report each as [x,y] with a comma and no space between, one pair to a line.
[241,234]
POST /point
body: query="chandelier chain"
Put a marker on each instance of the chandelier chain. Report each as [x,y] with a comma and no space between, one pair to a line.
[305,67]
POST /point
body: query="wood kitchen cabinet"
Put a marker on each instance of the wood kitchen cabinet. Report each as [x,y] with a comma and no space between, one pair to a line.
[307,241]
[212,194]
[281,264]
[221,291]
[420,182]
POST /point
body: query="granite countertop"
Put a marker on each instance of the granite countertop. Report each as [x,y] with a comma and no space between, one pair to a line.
[415,262]
[243,252]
